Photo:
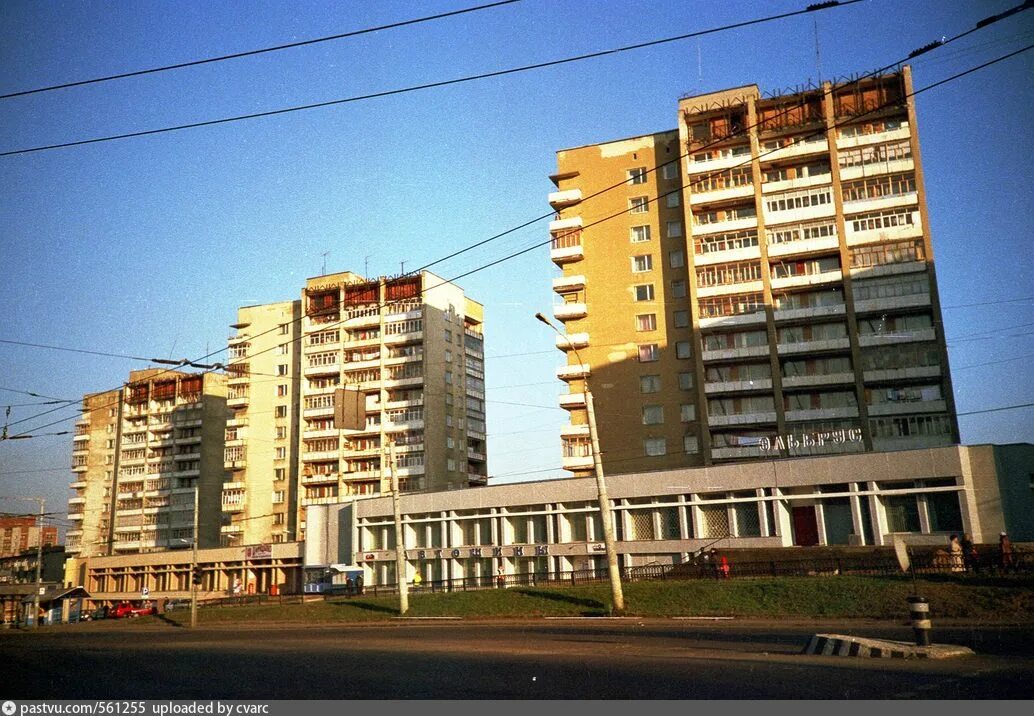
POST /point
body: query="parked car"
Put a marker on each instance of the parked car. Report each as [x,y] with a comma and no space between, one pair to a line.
[132,609]
[174,604]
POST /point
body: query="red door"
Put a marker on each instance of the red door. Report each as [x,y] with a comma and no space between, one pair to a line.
[805,528]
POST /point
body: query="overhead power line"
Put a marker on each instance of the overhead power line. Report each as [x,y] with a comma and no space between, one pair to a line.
[995,410]
[250,53]
[430,85]
[941,43]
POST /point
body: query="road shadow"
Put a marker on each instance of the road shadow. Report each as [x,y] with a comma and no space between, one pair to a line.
[557,597]
[368,606]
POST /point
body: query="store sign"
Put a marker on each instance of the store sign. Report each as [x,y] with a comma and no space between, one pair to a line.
[538,550]
[795,441]
[258,551]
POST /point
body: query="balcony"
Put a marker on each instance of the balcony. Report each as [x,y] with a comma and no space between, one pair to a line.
[902,132]
[822,413]
[575,222]
[316,370]
[727,161]
[233,506]
[814,346]
[889,166]
[796,216]
[793,314]
[810,279]
[910,373]
[565,284]
[910,443]
[566,248]
[569,311]
[329,433]
[883,339]
[908,407]
[728,288]
[883,202]
[394,427]
[574,431]
[572,340]
[717,227]
[810,145]
[718,195]
[476,455]
[807,182]
[913,230]
[817,379]
[892,303]
[320,479]
[568,197]
[477,479]
[231,529]
[81,439]
[744,253]
[738,386]
[804,246]
[576,462]
[321,412]
[737,319]
[320,455]
[732,453]
[573,372]
[240,401]
[741,419]
[572,401]
[723,354]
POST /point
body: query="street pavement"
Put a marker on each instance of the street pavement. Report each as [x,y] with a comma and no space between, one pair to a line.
[527,659]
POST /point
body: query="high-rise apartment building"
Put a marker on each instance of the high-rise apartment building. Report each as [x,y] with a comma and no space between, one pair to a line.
[410,348]
[138,454]
[18,534]
[263,391]
[764,289]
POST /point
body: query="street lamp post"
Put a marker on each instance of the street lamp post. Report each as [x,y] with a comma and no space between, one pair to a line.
[39,563]
[193,565]
[617,595]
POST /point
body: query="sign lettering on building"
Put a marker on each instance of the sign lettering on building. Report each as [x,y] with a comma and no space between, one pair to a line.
[806,440]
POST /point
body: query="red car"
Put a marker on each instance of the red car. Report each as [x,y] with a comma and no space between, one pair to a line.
[130,609]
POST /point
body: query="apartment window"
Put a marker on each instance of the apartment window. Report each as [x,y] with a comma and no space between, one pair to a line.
[639,234]
[448,421]
[672,200]
[678,289]
[280,453]
[690,444]
[644,292]
[280,411]
[683,349]
[674,229]
[281,432]
[279,473]
[655,446]
[283,350]
[451,465]
[687,413]
[285,328]
[637,175]
[653,414]
[281,390]
[448,356]
[685,381]
[448,336]
[648,353]
[111,444]
[649,384]
[646,322]
[450,443]
[448,399]
[681,319]
[677,259]
[448,377]
[281,369]
[638,205]
[670,170]
[642,263]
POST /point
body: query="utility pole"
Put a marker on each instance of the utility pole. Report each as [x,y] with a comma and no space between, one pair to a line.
[400,547]
[193,565]
[39,563]
[606,516]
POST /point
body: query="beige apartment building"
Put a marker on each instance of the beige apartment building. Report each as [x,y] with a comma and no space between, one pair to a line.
[758,284]
[412,350]
[139,454]
[263,391]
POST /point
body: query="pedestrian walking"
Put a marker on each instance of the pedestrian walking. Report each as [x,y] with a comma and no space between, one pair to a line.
[955,550]
[970,556]
[1006,558]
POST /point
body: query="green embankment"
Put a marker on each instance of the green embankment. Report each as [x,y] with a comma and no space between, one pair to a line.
[999,600]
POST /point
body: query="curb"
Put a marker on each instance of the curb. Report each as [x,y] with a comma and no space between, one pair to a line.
[841,645]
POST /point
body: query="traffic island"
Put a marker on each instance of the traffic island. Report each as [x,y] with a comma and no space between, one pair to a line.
[841,645]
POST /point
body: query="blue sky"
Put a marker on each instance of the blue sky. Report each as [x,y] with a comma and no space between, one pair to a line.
[147,246]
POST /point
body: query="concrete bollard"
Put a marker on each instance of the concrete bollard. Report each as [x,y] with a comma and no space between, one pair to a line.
[919,610]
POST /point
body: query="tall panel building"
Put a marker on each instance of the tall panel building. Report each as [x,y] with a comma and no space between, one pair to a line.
[409,348]
[138,455]
[768,291]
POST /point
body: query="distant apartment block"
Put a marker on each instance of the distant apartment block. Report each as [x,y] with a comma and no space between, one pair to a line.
[18,534]
[138,454]
[412,349]
[768,291]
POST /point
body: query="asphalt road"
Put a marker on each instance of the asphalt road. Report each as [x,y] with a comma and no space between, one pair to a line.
[533,659]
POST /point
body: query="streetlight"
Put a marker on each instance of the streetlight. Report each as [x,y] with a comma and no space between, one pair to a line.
[617,595]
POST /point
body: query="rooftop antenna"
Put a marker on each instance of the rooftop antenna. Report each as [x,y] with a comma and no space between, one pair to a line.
[403,268]
[818,56]
[366,266]
[324,263]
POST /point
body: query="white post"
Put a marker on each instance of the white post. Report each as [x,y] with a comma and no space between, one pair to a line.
[400,548]
[39,563]
[193,565]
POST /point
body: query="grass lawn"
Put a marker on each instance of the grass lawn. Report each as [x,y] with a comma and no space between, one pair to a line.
[990,599]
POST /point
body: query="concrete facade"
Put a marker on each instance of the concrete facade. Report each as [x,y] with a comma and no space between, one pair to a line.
[766,289]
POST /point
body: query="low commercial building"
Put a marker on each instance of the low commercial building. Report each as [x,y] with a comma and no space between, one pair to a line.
[662,517]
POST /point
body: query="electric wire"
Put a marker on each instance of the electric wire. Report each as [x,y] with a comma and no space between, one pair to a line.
[428,85]
[250,53]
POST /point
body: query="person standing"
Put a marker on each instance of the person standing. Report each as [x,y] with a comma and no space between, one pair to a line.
[1006,559]
[969,554]
[955,550]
